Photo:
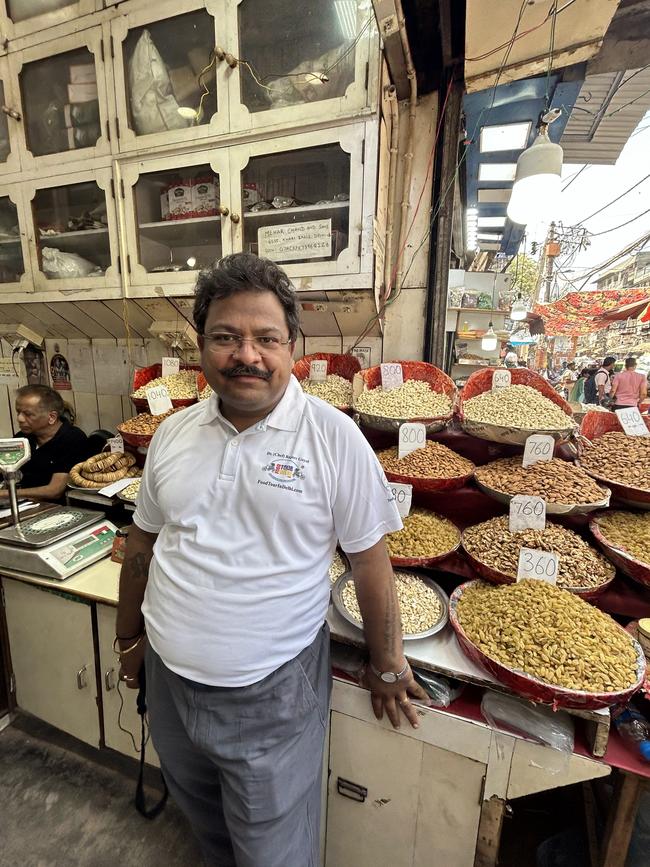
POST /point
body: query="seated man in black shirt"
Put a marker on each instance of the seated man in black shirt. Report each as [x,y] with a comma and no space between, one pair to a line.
[56,445]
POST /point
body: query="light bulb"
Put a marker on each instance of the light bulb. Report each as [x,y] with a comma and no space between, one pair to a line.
[489,340]
[537,182]
[518,310]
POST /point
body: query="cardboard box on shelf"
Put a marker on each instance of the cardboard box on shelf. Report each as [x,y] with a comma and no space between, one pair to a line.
[180,199]
[164,204]
[250,195]
[86,92]
[83,73]
[205,196]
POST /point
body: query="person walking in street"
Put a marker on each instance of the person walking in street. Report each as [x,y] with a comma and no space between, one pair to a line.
[225,579]
[577,393]
[629,388]
[603,380]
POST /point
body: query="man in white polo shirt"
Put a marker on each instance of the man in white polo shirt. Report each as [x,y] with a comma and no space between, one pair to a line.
[242,500]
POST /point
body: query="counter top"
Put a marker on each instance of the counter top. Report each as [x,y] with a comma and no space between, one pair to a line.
[98,582]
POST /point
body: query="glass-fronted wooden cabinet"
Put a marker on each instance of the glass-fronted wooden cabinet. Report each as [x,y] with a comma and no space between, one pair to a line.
[72,229]
[15,270]
[64,101]
[177,216]
[169,88]
[299,63]
[22,17]
[301,200]
[10,120]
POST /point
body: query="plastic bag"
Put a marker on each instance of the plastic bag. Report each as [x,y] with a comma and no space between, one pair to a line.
[535,722]
[440,690]
[60,265]
[153,104]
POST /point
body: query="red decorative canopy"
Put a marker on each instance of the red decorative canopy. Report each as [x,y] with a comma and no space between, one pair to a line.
[577,313]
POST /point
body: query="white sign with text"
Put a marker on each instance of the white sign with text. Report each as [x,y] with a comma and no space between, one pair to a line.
[539,447]
[116,444]
[159,400]
[501,378]
[392,375]
[539,565]
[403,495]
[527,513]
[170,365]
[318,370]
[288,241]
[632,422]
[412,436]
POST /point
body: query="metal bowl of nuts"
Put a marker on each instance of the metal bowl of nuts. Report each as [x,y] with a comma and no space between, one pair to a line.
[620,461]
[493,552]
[424,605]
[432,468]
[510,630]
[427,395]
[624,537]
[139,430]
[566,489]
[183,387]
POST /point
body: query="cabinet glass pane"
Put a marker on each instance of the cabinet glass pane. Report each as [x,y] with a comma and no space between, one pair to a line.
[72,230]
[5,147]
[297,204]
[59,96]
[169,76]
[298,55]
[21,10]
[11,254]
[179,225]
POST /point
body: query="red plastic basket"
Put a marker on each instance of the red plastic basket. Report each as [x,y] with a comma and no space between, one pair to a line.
[531,687]
[635,569]
[342,365]
[594,425]
[143,375]
[138,440]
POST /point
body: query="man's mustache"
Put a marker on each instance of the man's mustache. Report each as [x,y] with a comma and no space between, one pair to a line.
[246,370]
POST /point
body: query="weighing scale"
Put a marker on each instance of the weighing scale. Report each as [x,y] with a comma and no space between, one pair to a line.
[54,543]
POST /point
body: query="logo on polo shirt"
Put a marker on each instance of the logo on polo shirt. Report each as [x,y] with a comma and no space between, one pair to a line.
[284,470]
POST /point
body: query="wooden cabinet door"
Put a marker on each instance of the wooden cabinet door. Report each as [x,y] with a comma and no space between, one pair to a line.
[53,658]
[378,827]
[121,720]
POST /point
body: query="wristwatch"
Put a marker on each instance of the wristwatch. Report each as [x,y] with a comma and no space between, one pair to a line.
[389,676]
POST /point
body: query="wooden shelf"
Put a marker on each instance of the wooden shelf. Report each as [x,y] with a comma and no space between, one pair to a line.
[297,209]
[83,241]
[191,221]
[478,310]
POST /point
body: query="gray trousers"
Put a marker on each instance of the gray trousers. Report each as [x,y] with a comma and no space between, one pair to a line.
[244,764]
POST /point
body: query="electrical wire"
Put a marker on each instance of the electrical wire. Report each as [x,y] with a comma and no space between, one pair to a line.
[551,48]
[575,176]
[621,254]
[604,207]
[627,104]
[621,225]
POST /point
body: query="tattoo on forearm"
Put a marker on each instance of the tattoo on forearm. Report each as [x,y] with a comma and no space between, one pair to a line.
[137,566]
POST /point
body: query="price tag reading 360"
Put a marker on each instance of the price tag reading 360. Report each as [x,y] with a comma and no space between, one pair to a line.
[159,400]
[412,436]
[632,422]
[402,495]
[318,370]
[539,565]
[527,513]
[392,376]
[539,447]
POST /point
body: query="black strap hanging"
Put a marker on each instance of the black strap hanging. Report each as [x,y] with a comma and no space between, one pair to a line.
[140,805]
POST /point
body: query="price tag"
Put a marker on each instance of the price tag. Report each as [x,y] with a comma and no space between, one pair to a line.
[501,378]
[540,565]
[412,436]
[402,495]
[318,370]
[159,400]
[115,487]
[391,376]
[363,353]
[539,447]
[170,365]
[527,513]
[632,422]
[116,444]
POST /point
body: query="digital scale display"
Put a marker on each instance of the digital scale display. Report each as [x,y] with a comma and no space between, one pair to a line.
[13,454]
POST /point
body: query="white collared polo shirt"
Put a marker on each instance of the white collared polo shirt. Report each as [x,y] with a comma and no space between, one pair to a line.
[247,523]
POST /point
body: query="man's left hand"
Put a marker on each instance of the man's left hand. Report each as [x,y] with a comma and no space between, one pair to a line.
[394,697]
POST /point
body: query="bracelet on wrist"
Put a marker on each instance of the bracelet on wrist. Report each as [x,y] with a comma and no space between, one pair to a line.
[126,650]
[129,637]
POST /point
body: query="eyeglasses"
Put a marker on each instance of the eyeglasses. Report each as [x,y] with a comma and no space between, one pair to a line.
[223,342]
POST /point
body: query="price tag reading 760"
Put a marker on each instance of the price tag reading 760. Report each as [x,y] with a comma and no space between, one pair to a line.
[539,447]
[527,513]
[402,495]
[412,436]
[539,565]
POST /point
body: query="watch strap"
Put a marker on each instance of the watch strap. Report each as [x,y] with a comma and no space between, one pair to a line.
[398,674]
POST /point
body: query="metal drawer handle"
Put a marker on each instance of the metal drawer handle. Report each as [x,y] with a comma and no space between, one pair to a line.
[351,790]
[223,210]
[108,679]
[235,218]
[81,678]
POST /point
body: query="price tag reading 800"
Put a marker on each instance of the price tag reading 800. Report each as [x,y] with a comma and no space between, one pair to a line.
[539,447]
[539,565]
[527,513]
[501,378]
[392,376]
[412,436]
[159,400]
[318,370]
[402,495]
[632,422]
